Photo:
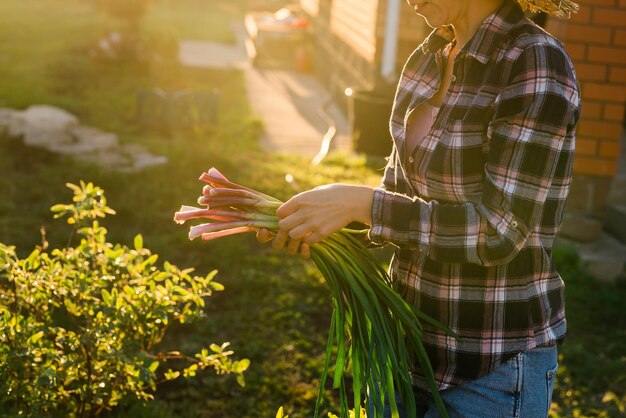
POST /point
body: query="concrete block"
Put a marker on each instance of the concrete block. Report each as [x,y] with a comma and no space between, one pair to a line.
[615,222]
[604,259]
[580,228]
[617,195]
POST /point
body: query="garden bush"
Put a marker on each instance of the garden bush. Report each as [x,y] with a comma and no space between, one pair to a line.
[79,326]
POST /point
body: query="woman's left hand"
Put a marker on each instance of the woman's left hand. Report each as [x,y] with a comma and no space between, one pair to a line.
[311,216]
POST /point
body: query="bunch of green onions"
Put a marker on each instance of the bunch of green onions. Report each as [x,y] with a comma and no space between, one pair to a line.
[374,330]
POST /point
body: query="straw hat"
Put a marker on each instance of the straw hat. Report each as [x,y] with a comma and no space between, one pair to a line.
[561,8]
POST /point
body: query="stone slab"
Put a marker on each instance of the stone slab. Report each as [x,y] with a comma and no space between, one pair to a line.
[580,228]
[617,195]
[94,137]
[615,221]
[604,259]
[49,117]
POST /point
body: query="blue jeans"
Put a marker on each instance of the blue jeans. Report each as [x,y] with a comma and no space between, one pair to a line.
[520,388]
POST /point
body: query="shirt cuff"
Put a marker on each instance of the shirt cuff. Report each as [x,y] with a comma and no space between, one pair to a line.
[397,219]
[376,231]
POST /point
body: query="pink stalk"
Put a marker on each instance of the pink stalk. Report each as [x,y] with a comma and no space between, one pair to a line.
[225,191]
[214,172]
[213,202]
[217,179]
[221,181]
[198,230]
[232,231]
[190,212]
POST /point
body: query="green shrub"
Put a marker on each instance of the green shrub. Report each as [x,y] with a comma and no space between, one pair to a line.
[79,325]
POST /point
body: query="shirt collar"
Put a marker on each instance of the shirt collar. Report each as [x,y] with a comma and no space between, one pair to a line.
[489,36]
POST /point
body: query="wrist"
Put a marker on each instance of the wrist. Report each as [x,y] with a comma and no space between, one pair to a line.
[362,199]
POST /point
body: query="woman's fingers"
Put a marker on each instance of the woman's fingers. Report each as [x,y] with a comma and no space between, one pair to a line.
[280,239]
[264,235]
[293,246]
[305,250]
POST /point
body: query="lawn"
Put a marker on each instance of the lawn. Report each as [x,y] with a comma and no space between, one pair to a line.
[275,309]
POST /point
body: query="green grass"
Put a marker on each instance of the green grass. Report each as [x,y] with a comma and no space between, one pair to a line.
[195,19]
[275,310]
[592,377]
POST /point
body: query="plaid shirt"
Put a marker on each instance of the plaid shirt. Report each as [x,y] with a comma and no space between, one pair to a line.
[473,210]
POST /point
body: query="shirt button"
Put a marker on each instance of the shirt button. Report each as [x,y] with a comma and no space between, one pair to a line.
[453,78]
[514,224]
[411,160]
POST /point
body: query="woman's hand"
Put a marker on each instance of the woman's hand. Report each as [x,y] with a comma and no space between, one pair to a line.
[311,216]
[265,235]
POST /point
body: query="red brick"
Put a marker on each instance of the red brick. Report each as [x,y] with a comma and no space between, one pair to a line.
[595,166]
[591,72]
[614,112]
[617,75]
[577,52]
[619,38]
[583,15]
[609,149]
[586,146]
[599,129]
[609,16]
[603,92]
[557,27]
[591,110]
[588,34]
[606,55]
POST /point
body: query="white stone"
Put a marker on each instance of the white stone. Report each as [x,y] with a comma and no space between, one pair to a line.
[46,138]
[6,117]
[142,157]
[94,137]
[132,149]
[44,126]
[112,159]
[72,148]
[148,160]
[49,117]
[59,131]
[11,122]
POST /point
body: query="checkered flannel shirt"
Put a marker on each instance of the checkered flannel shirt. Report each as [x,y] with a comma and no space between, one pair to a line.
[473,210]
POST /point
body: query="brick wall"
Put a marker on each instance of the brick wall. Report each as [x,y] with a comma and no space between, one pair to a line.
[349,38]
[596,40]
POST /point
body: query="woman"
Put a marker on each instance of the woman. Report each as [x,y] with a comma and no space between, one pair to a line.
[483,125]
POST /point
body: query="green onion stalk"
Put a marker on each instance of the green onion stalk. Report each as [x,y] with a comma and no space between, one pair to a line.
[374,332]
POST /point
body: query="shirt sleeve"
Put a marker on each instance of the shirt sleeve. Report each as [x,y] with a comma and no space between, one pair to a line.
[393,179]
[535,117]
[387,182]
